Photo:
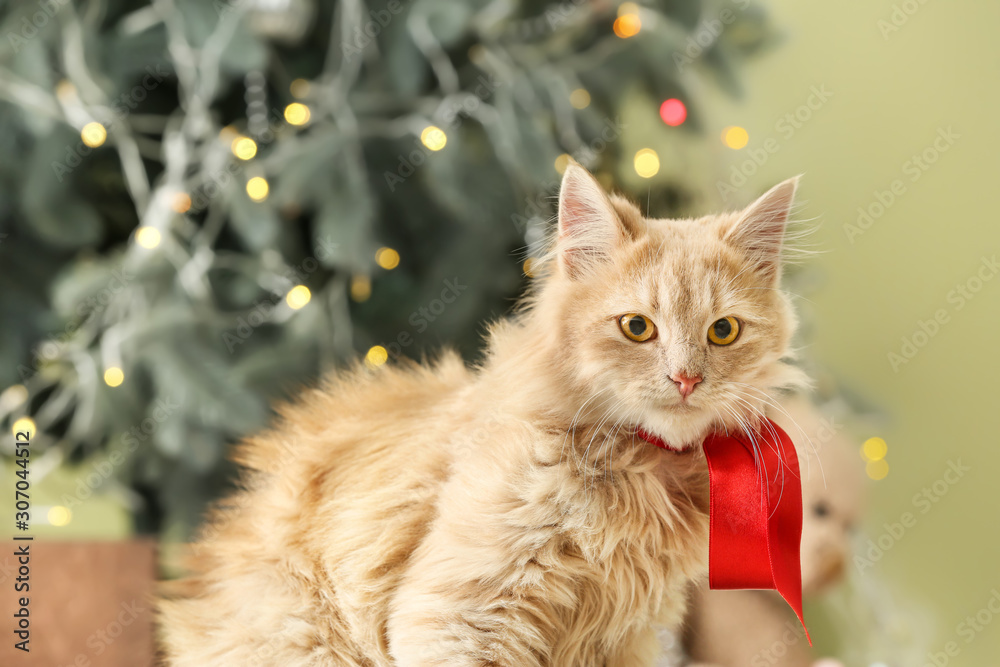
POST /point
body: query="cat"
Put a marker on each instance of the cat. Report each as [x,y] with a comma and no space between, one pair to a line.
[508,515]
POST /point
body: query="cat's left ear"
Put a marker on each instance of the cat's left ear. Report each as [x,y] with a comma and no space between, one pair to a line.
[760,228]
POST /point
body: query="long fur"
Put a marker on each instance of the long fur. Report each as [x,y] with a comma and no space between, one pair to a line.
[503,516]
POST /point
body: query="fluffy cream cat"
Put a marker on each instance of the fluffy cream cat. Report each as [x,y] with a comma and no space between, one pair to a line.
[506,516]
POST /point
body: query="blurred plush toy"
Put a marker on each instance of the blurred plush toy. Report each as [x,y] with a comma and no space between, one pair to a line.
[746,628]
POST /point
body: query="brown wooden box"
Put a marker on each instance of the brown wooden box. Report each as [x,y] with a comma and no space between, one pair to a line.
[89,604]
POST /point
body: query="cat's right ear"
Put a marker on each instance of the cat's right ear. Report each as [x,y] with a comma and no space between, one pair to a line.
[760,229]
[589,227]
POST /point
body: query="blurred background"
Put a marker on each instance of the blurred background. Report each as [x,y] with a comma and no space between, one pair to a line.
[204,205]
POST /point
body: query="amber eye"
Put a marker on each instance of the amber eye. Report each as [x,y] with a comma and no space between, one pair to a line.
[637,327]
[724,331]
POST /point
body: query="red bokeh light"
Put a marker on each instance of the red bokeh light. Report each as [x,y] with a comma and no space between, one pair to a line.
[673,112]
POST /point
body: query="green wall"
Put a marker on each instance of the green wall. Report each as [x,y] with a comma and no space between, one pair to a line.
[891,95]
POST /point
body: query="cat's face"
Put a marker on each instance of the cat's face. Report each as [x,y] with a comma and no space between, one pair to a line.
[674,326]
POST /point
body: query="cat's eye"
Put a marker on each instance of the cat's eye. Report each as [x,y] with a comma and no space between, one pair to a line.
[637,327]
[724,331]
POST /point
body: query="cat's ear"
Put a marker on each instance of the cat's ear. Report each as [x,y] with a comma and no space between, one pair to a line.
[589,225]
[760,228]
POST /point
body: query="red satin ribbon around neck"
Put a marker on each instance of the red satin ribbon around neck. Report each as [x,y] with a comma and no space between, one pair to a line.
[756,512]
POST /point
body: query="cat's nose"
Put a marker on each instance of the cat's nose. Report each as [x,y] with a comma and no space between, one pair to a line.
[685,383]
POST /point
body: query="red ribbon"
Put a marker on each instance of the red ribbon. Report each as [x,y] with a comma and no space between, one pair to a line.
[756,514]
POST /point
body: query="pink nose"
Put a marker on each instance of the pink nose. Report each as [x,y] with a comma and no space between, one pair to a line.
[685,384]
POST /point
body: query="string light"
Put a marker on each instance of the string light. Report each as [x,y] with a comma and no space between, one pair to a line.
[24,425]
[735,137]
[580,98]
[298,297]
[297,114]
[244,148]
[628,8]
[147,237]
[49,350]
[299,88]
[258,188]
[647,163]
[114,376]
[673,112]
[877,469]
[59,515]
[376,356]
[874,449]
[181,202]
[387,258]
[433,137]
[627,25]
[562,162]
[13,396]
[93,134]
[361,288]
[65,90]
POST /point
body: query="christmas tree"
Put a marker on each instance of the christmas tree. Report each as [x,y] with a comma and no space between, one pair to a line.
[207,204]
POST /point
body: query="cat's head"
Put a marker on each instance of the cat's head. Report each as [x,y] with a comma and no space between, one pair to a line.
[673,326]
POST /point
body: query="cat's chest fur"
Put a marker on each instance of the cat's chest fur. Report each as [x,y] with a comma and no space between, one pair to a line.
[594,543]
